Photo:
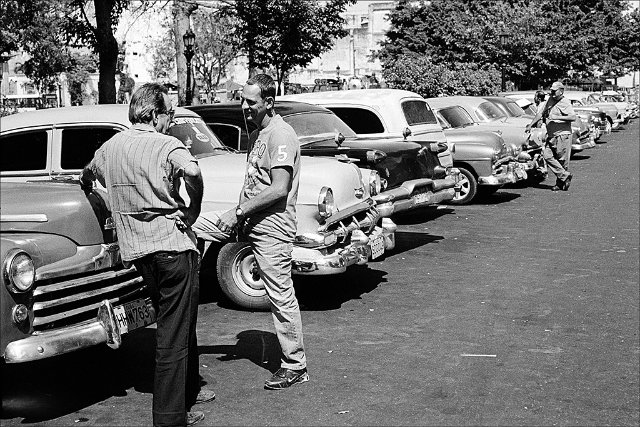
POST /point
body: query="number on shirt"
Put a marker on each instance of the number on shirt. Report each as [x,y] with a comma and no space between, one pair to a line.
[282,154]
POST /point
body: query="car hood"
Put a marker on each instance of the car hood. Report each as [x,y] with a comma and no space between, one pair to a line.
[54,208]
[223,176]
[465,136]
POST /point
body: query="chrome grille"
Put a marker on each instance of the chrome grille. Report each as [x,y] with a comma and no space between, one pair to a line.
[68,300]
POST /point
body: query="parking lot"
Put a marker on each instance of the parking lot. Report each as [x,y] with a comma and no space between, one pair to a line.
[519,309]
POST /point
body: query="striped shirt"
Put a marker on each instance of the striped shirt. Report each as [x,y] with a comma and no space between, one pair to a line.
[141,170]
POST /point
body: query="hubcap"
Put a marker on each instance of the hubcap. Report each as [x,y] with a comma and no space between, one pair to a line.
[464,188]
[245,273]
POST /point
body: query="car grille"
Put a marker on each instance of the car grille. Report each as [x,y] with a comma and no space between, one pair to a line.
[74,299]
[364,221]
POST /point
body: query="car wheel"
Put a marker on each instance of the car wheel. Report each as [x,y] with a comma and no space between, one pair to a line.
[468,188]
[238,276]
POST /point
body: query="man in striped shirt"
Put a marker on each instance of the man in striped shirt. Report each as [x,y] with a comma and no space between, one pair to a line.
[142,169]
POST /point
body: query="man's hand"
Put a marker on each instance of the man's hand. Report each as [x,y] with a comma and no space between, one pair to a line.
[227,221]
[86,179]
[184,218]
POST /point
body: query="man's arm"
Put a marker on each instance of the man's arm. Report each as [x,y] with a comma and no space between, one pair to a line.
[281,178]
[195,188]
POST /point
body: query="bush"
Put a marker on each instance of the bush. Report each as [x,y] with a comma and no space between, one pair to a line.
[418,74]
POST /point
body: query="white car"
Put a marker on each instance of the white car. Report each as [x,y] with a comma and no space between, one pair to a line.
[338,223]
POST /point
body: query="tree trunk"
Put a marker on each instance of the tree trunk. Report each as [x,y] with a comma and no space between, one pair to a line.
[181,13]
[107,52]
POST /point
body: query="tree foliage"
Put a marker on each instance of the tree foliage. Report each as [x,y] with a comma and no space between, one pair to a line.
[547,40]
[283,34]
[217,45]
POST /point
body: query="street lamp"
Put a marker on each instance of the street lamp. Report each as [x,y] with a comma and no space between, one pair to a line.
[504,39]
[189,41]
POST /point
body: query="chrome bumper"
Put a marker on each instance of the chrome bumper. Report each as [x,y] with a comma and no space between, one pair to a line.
[42,345]
[416,193]
[335,260]
[508,173]
[590,143]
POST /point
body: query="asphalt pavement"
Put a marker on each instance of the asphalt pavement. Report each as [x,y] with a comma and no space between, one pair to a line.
[520,309]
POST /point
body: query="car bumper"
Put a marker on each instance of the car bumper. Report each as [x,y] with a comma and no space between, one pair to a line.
[508,173]
[415,194]
[53,343]
[583,145]
[335,260]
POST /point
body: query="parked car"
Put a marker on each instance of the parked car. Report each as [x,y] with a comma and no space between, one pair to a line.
[481,158]
[411,174]
[581,134]
[64,286]
[338,224]
[579,99]
[625,110]
[525,150]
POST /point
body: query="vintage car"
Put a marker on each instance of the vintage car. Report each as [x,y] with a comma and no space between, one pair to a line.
[579,99]
[411,175]
[395,113]
[582,137]
[64,286]
[625,109]
[392,112]
[528,154]
[594,119]
[338,223]
[483,157]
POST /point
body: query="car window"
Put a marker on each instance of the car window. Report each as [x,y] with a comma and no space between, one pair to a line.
[14,147]
[229,135]
[80,143]
[488,111]
[361,120]
[456,117]
[515,109]
[197,136]
[442,121]
[318,125]
[418,113]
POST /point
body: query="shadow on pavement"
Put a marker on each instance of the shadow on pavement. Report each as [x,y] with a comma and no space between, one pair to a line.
[499,197]
[320,293]
[50,388]
[260,347]
[579,157]
[418,216]
[407,240]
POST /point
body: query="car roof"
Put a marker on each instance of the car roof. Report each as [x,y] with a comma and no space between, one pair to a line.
[357,96]
[448,101]
[501,99]
[284,107]
[105,113]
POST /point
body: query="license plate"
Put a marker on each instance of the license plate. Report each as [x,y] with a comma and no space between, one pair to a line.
[133,315]
[421,198]
[377,246]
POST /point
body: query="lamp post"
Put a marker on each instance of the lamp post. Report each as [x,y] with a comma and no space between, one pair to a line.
[504,39]
[189,41]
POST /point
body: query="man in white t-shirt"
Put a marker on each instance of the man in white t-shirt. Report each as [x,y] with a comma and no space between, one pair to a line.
[266,214]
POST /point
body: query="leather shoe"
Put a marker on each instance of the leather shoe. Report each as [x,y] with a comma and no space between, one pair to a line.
[285,377]
[205,396]
[555,188]
[567,183]
[194,417]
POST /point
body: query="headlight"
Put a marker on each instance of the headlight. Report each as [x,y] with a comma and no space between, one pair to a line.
[326,204]
[375,184]
[19,271]
[496,153]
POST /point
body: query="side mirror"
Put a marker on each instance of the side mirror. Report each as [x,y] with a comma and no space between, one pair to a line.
[406,132]
[339,139]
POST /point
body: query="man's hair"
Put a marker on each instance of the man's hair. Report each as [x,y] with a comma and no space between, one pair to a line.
[265,83]
[539,96]
[147,98]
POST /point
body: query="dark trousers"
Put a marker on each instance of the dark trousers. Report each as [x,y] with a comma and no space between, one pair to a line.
[172,278]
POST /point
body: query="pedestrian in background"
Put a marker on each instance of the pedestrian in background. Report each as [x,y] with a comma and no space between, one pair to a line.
[557,114]
[267,217]
[142,169]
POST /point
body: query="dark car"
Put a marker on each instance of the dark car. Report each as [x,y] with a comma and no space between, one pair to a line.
[413,176]
[64,286]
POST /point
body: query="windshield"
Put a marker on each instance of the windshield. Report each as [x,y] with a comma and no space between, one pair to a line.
[489,112]
[197,136]
[314,126]
[515,109]
[456,117]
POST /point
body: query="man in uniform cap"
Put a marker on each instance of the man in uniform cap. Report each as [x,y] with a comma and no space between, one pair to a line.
[557,114]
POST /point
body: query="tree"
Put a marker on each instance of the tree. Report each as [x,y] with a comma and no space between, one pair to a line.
[81,64]
[283,34]
[547,39]
[216,45]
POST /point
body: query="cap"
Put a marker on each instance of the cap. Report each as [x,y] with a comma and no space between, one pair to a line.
[557,85]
